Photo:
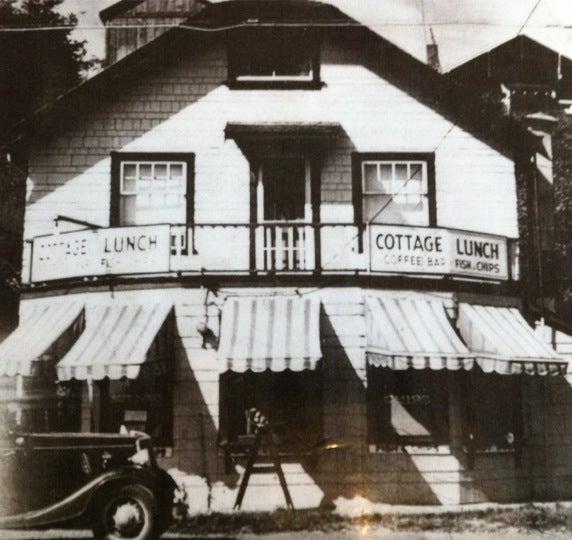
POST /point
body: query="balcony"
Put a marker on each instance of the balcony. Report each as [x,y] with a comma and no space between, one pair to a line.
[268,248]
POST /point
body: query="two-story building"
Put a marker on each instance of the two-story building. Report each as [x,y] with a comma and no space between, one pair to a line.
[272,207]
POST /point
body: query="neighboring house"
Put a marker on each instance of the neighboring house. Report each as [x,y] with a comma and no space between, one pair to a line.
[290,214]
[532,82]
[130,24]
[12,181]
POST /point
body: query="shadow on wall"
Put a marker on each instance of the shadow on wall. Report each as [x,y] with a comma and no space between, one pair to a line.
[352,471]
[81,144]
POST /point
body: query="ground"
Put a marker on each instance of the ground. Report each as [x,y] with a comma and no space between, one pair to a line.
[530,522]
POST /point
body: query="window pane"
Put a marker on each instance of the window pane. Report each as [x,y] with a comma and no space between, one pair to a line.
[176,170]
[145,171]
[129,170]
[129,185]
[385,176]
[371,184]
[128,209]
[376,208]
[416,171]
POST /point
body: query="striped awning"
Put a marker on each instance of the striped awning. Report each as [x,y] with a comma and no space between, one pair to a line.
[115,342]
[276,333]
[503,342]
[26,348]
[413,332]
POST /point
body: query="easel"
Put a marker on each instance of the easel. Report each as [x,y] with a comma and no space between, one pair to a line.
[253,443]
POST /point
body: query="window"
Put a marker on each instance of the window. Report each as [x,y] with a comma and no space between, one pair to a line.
[493,412]
[146,402]
[292,402]
[407,408]
[151,189]
[394,189]
[286,57]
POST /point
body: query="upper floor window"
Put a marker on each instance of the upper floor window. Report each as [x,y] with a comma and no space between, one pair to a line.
[277,58]
[151,188]
[396,188]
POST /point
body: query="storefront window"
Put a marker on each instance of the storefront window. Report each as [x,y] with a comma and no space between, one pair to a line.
[144,403]
[407,408]
[494,411]
[291,401]
[141,404]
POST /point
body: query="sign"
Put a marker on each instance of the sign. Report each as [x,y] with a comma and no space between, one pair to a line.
[97,252]
[437,251]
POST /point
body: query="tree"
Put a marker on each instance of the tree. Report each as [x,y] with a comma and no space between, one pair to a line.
[36,66]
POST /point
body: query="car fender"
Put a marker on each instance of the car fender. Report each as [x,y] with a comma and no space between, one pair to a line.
[82,500]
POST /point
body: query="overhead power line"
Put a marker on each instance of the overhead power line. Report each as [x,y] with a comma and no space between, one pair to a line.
[372,24]
[529,16]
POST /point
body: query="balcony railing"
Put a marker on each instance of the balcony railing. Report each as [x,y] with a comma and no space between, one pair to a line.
[269,248]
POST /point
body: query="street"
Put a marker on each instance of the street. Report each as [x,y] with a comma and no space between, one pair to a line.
[350,533]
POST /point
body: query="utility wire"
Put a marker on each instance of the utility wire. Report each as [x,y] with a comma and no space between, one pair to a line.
[529,16]
[39,28]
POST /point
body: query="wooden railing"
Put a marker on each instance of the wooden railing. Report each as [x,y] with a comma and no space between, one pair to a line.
[252,248]
[285,247]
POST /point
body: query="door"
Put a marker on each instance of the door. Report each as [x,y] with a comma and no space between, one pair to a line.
[285,241]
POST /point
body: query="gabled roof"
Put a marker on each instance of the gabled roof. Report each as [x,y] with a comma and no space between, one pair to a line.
[118,9]
[399,68]
[123,8]
[507,51]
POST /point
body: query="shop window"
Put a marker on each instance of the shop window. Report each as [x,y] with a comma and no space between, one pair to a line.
[274,58]
[151,189]
[59,411]
[493,411]
[146,402]
[407,408]
[291,401]
[394,189]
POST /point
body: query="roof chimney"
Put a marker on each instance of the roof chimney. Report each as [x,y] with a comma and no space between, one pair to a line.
[433,53]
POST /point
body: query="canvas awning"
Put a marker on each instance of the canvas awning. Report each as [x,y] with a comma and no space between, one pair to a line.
[276,333]
[503,342]
[26,348]
[115,342]
[414,333]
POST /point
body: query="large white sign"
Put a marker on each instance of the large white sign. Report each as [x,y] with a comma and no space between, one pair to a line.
[437,251]
[96,252]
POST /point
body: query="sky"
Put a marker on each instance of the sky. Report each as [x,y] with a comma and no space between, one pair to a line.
[463,28]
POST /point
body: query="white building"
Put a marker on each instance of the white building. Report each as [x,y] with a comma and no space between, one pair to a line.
[290,214]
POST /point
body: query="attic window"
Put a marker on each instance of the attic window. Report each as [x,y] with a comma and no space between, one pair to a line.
[279,58]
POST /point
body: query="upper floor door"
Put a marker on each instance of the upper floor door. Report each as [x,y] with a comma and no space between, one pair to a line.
[284,188]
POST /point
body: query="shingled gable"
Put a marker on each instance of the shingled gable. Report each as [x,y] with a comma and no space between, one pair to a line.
[518,60]
[443,95]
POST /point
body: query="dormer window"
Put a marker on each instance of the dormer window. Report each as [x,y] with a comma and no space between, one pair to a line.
[285,58]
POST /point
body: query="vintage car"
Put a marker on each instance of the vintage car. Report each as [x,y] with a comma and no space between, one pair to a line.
[110,482]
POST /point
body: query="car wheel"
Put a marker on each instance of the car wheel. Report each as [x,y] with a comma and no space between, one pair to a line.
[130,512]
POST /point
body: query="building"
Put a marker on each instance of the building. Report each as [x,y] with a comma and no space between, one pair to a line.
[305,220]
[533,82]
[130,24]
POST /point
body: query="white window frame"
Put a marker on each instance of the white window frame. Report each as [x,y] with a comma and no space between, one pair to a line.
[394,195]
[168,188]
